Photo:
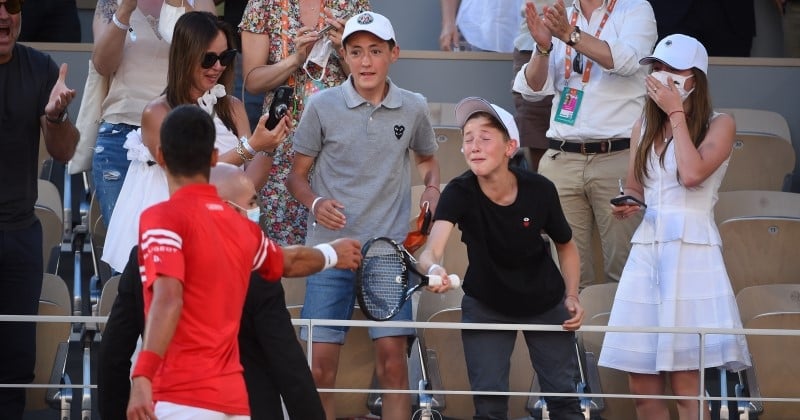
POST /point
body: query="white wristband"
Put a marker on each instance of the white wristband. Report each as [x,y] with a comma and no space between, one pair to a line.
[330,255]
[314,204]
[119,24]
[433,267]
[247,146]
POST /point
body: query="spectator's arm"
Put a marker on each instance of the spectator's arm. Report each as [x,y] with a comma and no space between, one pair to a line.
[449,36]
[108,37]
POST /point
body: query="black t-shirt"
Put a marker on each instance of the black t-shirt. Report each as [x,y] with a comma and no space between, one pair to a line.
[25,85]
[510,269]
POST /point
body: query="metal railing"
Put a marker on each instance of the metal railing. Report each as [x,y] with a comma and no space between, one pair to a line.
[310,323]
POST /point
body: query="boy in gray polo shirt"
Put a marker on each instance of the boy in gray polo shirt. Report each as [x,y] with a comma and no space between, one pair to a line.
[357,137]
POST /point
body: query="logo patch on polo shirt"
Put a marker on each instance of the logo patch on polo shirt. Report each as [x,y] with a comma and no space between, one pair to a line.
[526,221]
[398,131]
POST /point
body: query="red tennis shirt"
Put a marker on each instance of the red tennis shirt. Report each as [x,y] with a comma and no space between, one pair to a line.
[198,239]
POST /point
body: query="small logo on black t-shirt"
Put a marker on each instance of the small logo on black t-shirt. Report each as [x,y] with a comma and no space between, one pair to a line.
[398,131]
[526,221]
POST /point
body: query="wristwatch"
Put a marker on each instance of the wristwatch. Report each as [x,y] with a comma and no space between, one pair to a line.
[546,52]
[574,37]
[58,120]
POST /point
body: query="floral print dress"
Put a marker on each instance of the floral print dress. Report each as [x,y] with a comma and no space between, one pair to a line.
[285,220]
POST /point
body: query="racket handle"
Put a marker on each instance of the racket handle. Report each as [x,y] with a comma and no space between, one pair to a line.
[434,280]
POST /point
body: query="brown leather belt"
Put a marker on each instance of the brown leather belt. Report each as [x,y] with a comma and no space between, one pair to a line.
[594,147]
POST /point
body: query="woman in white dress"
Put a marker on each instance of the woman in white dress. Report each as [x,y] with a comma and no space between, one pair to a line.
[675,275]
[200,70]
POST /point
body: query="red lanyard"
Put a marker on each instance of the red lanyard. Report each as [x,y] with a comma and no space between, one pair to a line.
[573,21]
[285,30]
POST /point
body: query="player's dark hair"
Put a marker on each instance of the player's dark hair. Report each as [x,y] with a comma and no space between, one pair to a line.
[187,141]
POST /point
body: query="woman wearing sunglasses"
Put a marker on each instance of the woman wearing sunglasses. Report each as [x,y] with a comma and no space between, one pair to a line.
[131,49]
[200,72]
[200,68]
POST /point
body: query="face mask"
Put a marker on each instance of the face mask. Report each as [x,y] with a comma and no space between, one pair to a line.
[254,214]
[680,82]
[167,19]
[319,55]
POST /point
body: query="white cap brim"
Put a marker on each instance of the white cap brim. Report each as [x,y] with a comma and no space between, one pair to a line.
[472,105]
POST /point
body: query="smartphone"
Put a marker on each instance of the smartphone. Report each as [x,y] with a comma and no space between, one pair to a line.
[627,200]
[325,30]
[279,107]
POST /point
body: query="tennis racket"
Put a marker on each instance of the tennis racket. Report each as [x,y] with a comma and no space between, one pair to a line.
[384,282]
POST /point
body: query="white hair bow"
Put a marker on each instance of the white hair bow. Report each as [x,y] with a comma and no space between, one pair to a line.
[209,99]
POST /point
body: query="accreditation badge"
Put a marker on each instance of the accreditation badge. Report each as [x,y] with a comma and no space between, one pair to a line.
[568,105]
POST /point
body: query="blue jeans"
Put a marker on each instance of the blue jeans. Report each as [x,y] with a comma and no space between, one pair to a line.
[110,164]
[20,287]
[330,294]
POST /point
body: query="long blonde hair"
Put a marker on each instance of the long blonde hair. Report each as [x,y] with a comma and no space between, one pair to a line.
[654,119]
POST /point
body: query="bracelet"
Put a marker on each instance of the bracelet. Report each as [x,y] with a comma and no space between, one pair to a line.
[674,112]
[434,187]
[240,152]
[147,364]
[433,267]
[330,255]
[247,146]
[269,153]
[119,24]
[59,119]
[576,297]
[314,204]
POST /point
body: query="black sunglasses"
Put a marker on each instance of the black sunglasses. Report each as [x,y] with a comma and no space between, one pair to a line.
[13,6]
[226,58]
[577,63]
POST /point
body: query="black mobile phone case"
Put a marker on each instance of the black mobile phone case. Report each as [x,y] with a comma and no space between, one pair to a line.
[280,105]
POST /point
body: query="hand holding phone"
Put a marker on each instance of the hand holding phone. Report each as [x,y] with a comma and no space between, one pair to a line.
[628,200]
[280,105]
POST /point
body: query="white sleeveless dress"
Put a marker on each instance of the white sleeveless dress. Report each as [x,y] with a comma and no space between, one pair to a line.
[145,185]
[675,277]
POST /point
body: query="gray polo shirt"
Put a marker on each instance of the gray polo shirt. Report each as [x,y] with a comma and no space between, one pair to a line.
[362,158]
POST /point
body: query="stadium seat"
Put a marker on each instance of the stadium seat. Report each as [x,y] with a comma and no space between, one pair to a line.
[294,289]
[443,114]
[760,250]
[51,349]
[762,155]
[758,162]
[759,121]
[451,160]
[773,306]
[446,346]
[48,196]
[52,235]
[749,203]
[107,298]
[356,366]
[597,301]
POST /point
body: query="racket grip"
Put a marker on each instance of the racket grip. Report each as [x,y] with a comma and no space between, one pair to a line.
[434,280]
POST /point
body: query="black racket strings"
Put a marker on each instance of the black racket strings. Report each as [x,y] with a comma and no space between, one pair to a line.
[385,280]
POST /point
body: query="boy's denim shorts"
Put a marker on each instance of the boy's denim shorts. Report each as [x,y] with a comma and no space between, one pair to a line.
[330,294]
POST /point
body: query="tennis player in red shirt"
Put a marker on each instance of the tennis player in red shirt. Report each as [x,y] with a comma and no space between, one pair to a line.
[196,255]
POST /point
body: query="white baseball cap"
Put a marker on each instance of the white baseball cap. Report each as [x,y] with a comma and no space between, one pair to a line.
[469,106]
[680,52]
[371,22]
